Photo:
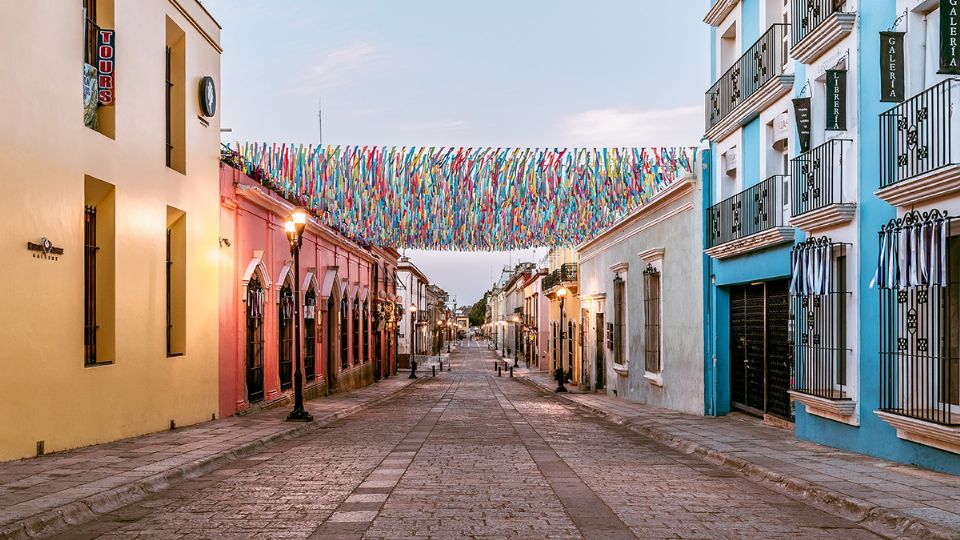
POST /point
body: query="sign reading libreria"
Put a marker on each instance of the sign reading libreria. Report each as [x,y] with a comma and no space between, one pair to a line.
[891,67]
[837,100]
[950,37]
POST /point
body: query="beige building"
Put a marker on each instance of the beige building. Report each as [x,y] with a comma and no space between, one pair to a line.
[115,335]
[561,287]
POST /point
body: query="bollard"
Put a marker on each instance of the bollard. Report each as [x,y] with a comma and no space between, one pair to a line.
[434,370]
[511,372]
[498,371]
[441,366]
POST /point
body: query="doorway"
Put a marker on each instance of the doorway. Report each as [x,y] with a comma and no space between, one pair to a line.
[256,296]
[601,365]
[333,342]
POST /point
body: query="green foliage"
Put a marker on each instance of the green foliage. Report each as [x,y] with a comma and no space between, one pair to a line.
[478,312]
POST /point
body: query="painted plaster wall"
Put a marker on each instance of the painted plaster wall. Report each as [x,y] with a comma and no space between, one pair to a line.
[47,151]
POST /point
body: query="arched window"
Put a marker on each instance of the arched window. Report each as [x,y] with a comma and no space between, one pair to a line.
[310,335]
[344,336]
[285,336]
[357,355]
[256,296]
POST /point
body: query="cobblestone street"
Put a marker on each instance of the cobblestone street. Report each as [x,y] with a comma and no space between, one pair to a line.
[468,454]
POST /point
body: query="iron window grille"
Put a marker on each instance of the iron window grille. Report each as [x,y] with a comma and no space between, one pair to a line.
[818,296]
[310,335]
[753,210]
[808,15]
[168,110]
[365,324]
[571,332]
[919,281]
[357,355]
[762,62]
[255,302]
[91,32]
[620,313]
[169,294]
[344,336]
[916,136]
[90,249]
[285,329]
[652,319]
[818,177]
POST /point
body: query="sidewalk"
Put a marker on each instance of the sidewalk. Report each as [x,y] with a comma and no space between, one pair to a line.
[50,493]
[888,498]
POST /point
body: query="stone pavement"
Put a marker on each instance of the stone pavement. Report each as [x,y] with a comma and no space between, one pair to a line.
[52,492]
[469,454]
[886,497]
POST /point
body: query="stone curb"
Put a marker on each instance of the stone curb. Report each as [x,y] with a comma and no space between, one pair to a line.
[78,512]
[877,519]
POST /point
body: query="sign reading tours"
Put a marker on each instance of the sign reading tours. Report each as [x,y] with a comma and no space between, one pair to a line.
[949,36]
[105,58]
[801,111]
[891,67]
[837,100]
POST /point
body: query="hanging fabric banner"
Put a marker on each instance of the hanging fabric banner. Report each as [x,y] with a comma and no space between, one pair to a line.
[950,37]
[801,112]
[891,67]
[836,100]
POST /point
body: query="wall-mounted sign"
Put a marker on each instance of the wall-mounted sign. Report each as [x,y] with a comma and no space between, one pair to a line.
[891,67]
[801,114]
[781,128]
[208,97]
[950,37]
[45,249]
[106,53]
[837,100]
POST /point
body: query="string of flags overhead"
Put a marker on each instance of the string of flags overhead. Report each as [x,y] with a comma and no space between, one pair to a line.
[465,199]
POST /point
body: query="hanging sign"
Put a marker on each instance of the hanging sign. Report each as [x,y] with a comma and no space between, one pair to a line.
[950,37]
[105,58]
[891,67]
[801,112]
[837,100]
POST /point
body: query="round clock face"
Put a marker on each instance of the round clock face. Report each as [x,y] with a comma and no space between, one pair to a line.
[208,96]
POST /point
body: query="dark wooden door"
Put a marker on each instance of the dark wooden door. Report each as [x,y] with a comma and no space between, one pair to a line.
[779,357]
[601,365]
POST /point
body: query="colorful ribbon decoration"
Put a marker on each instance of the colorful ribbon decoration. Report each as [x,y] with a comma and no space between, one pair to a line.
[464,199]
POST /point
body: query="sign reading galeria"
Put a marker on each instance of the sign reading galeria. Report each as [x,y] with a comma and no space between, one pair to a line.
[891,67]
[950,37]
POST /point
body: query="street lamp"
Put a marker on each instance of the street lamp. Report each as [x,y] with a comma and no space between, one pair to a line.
[516,340]
[561,293]
[413,341]
[449,334]
[294,226]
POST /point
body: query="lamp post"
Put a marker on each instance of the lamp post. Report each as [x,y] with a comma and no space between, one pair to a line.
[294,227]
[516,340]
[449,334]
[413,341]
[561,293]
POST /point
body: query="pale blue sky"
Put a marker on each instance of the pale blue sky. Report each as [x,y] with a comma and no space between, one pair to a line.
[493,72]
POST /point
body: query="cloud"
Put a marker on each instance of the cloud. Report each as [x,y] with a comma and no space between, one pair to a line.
[624,126]
[337,66]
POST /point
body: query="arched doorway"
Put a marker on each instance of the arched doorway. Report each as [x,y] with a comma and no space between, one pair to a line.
[310,335]
[256,296]
[285,335]
[333,341]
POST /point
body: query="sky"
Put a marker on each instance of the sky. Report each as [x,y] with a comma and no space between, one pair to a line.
[501,73]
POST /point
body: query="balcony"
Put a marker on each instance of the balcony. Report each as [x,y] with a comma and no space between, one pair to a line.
[754,82]
[919,151]
[750,220]
[565,275]
[818,198]
[818,25]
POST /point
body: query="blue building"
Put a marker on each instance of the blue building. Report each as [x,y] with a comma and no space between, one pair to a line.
[824,170]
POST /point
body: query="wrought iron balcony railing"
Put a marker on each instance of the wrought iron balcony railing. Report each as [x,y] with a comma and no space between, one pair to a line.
[917,136]
[763,61]
[753,210]
[808,15]
[568,272]
[817,177]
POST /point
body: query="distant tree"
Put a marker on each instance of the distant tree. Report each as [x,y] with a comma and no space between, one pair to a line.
[478,312]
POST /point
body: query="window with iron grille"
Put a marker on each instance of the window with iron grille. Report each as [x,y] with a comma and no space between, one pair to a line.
[919,281]
[357,354]
[256,296]
[344,335]
[818,291]
[90,285]
[652,319]
[365,324]
[90,33]
[286,337]
[571,332]
[168,103]
[310,335]
[620,314]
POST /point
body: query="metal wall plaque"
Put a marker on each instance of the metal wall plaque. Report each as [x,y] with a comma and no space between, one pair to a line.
[891,67]
[837,100]
[45,249]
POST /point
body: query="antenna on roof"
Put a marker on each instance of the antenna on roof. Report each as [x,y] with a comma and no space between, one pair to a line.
[320,117]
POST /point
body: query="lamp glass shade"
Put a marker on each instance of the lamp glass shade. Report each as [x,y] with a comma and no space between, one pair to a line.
[290,226]
[561,292]
[299,216]
[413,309]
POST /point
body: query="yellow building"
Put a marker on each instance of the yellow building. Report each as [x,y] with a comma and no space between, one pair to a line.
[115,335]
[560,286]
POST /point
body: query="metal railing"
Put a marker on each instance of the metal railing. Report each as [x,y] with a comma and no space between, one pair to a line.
[753,210]
[763,61]
[817,177]
[819,322]
[91,33]
[919,311]
[916,136]
[808,15]
[568,272]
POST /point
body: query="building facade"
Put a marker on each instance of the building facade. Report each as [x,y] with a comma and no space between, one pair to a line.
[831,295]
[536,323]
[561,287]
[105,211]
[413,294]
[641,318]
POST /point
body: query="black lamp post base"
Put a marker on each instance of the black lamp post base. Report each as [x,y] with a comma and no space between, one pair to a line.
[560,389]
[299,415]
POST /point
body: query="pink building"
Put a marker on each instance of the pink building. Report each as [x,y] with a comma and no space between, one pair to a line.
[348,301]
[536,320]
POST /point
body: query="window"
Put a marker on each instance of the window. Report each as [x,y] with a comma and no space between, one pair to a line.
[652,319]
[176,270]
[285,329]
[357,354]
[175,98]
[620,315]
[98,272]
[256,297]
[344,335]
[310,335]
[365,325]
[571,332]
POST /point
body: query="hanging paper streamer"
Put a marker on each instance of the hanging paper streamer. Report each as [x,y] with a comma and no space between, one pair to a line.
[470,199]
